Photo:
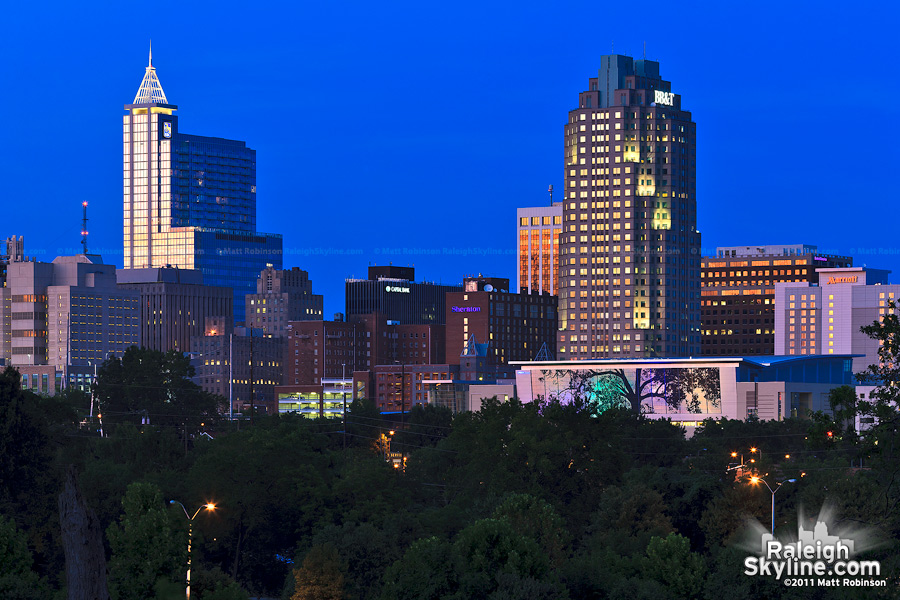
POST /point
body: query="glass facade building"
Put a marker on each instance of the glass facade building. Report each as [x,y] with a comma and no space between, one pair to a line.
[190,201]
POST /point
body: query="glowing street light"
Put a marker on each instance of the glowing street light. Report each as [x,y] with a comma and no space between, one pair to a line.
[755,480]
[208,506]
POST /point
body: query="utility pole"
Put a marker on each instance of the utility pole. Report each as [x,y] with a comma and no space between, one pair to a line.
[251,375]
[344,398]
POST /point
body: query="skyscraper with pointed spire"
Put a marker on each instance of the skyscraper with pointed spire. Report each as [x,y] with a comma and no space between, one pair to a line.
[189,200]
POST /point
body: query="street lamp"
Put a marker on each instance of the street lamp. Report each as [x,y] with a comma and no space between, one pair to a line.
[208,506]
[777,487]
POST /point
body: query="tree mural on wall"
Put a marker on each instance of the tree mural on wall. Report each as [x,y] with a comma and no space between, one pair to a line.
[681,390]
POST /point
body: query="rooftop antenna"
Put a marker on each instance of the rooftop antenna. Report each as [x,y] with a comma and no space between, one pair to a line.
[150,63]
[84,231]
[551,194]
[645,49]
[613,47]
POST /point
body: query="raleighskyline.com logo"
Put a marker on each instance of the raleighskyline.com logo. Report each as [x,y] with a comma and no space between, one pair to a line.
[815,559]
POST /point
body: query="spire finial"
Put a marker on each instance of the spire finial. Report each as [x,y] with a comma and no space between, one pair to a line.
[150,64]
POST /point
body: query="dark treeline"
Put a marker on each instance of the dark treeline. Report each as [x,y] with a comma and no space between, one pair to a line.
[517,501]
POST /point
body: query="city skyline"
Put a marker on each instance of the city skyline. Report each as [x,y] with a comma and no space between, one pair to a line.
[337,108]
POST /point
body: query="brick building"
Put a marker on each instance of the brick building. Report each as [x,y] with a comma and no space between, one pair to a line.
[513,326]
[738,293]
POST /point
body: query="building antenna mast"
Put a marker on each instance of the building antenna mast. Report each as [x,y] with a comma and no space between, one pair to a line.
[551,194]
[645,49]
[84,229]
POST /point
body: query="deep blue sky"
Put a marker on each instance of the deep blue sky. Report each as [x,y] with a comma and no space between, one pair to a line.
[423,125]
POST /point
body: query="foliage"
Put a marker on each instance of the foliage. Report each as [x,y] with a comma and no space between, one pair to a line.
[843,403]
[670,562]
[424,426]
[214,584]
[24,446]
[17,579]
[145,546]
[537,500]
[278,472]
[537,519]
[320,577]
[428,571]
[150,385]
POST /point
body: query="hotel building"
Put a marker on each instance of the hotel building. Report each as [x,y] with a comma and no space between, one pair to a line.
[629,283]
[826,318]
[511,327]
[737,304]
[190,201]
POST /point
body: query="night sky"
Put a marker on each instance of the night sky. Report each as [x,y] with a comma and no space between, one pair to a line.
[410,132]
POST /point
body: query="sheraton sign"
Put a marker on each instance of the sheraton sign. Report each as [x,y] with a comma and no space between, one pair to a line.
[848,279]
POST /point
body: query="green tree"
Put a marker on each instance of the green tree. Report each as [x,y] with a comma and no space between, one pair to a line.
[214,584]
[24,447]
[885,374]
[17,579]
[148,384]
[429,570]
[537,519]
[145,547]
[670,562]
[842,401]
[277,472]
[321,576]
[499,562]
[425,426]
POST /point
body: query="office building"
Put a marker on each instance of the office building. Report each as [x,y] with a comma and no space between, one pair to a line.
[826,318]
[190,201]
[393,292]
[175,305]
[317,350]
[281,297]
[538,248]
[243,366]
[512,327]
[398,388]
[629,283]
[737,304]
[68,314]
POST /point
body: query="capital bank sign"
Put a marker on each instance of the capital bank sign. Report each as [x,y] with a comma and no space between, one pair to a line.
[850,279]
[661,97]
[396,289]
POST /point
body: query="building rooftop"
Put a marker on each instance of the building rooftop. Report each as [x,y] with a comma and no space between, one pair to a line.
[151,91]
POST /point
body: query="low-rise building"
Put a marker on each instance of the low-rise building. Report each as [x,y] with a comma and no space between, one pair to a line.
[690,390]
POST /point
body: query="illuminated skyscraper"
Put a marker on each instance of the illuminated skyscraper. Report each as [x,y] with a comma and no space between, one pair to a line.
[629,283]
[538,249]
[190,201]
